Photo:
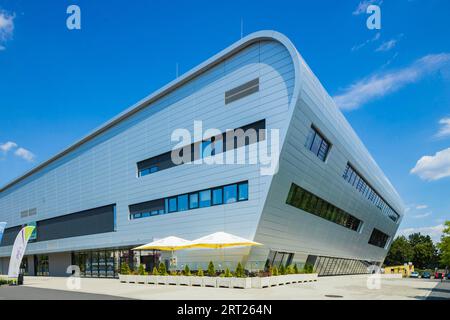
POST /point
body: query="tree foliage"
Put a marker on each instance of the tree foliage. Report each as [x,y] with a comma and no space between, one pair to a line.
[444,246]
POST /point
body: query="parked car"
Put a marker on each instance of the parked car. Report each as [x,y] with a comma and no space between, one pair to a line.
[439,275]
[414,274]
[448,276]
[426,275]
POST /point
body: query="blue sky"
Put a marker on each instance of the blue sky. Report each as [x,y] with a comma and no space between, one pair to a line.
[393,84]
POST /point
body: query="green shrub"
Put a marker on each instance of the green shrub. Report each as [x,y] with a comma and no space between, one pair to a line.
[211,269]
[155,271]
[290,269]
[200,272]
[227,273]
[141,270]
[275,271]
[308,268]
[282,270]
[295,269]
[240,273]
[187,271]
[125,268]
[162,269]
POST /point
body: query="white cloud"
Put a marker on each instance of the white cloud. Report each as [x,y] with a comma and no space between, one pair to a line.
[6,25]
[434,232]
[7,146]
[423,215]
[25,154]
[421,206]
[383,83]
[433,167]
[362,6]
[444,131]
[376,37]
[387,45]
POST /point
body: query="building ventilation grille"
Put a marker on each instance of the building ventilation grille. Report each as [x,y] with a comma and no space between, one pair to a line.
[242,91]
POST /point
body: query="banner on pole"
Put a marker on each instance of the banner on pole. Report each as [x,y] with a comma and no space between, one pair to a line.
[20,244]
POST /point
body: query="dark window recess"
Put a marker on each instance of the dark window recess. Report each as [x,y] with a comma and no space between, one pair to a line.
[243,136]
[356,180]
[149,208]
[378,238]
[92,221]
[306,201]
[317,144]
[242,91]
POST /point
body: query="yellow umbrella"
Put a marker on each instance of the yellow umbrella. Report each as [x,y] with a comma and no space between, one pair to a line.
[221,240]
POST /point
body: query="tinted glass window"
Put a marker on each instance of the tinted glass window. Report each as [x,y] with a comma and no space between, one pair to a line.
[243,191]
[183,202]
[193,200]
[217,196]
[205,198]
[172,204]
[230,193]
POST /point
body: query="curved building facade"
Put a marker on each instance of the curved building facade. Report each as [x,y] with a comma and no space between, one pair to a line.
[321,199]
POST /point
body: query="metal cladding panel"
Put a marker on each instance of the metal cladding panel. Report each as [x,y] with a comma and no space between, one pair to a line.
[104,169]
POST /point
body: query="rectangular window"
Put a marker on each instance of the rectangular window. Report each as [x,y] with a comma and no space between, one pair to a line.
[378,238]
[217,196]
[183,202]
[317,144]
[230,193]
[193,201]
[356,180]
[306,201]
[173,204]
[205,198]
[243,191]
[242,91]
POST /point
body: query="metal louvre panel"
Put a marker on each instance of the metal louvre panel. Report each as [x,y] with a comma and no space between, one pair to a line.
[241,91]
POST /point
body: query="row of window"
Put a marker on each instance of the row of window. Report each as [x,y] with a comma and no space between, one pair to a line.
[328,266]
[306,201]
[356,180]
[229,140]
[378,238]
[200,199]
[317,144]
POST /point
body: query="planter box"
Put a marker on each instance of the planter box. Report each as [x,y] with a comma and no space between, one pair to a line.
[123,277]
[184,280]
[243,283]
[274,281]
[260,283]
[196,281]
[173,280]
[308,277]
[152,279]
[223,282]
[210,282]
[162,280]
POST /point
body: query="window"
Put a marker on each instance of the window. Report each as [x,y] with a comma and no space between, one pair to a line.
[378,238]
[230,193]
[205,198]
[193,201]
[355,179]
[242,91]
[243,191]
[306,201]
[217,196]
[207,148]
[183,202]
[173,204]
[317,144]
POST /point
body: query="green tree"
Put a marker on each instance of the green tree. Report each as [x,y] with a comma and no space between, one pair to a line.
[200,272]
[444,245]
[400,252]
[141,270]
[211,269]
[187,271]
[240,273]
[162,269]
[155,271]
[424,251]
[125,268]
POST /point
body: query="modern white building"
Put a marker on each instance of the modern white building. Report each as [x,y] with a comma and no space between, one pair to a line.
[327,204]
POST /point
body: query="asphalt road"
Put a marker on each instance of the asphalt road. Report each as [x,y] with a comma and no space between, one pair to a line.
[27,293]
[441,291]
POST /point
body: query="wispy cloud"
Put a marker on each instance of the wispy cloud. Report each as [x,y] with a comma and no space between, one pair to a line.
[381,84]
[362,6]
[387,45]
[376,37]
[421,206]
[423,215]
[6,27]
[444,131]
[25,154]
[7,146]
[20,152]
[434,232]
[433,167]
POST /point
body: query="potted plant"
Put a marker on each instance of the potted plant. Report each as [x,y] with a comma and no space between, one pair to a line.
[210,280]
[197,280]
[153,277]
[125,271]
[224,281]
[184,280]
[240,280]
[274,279]
[163,278]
